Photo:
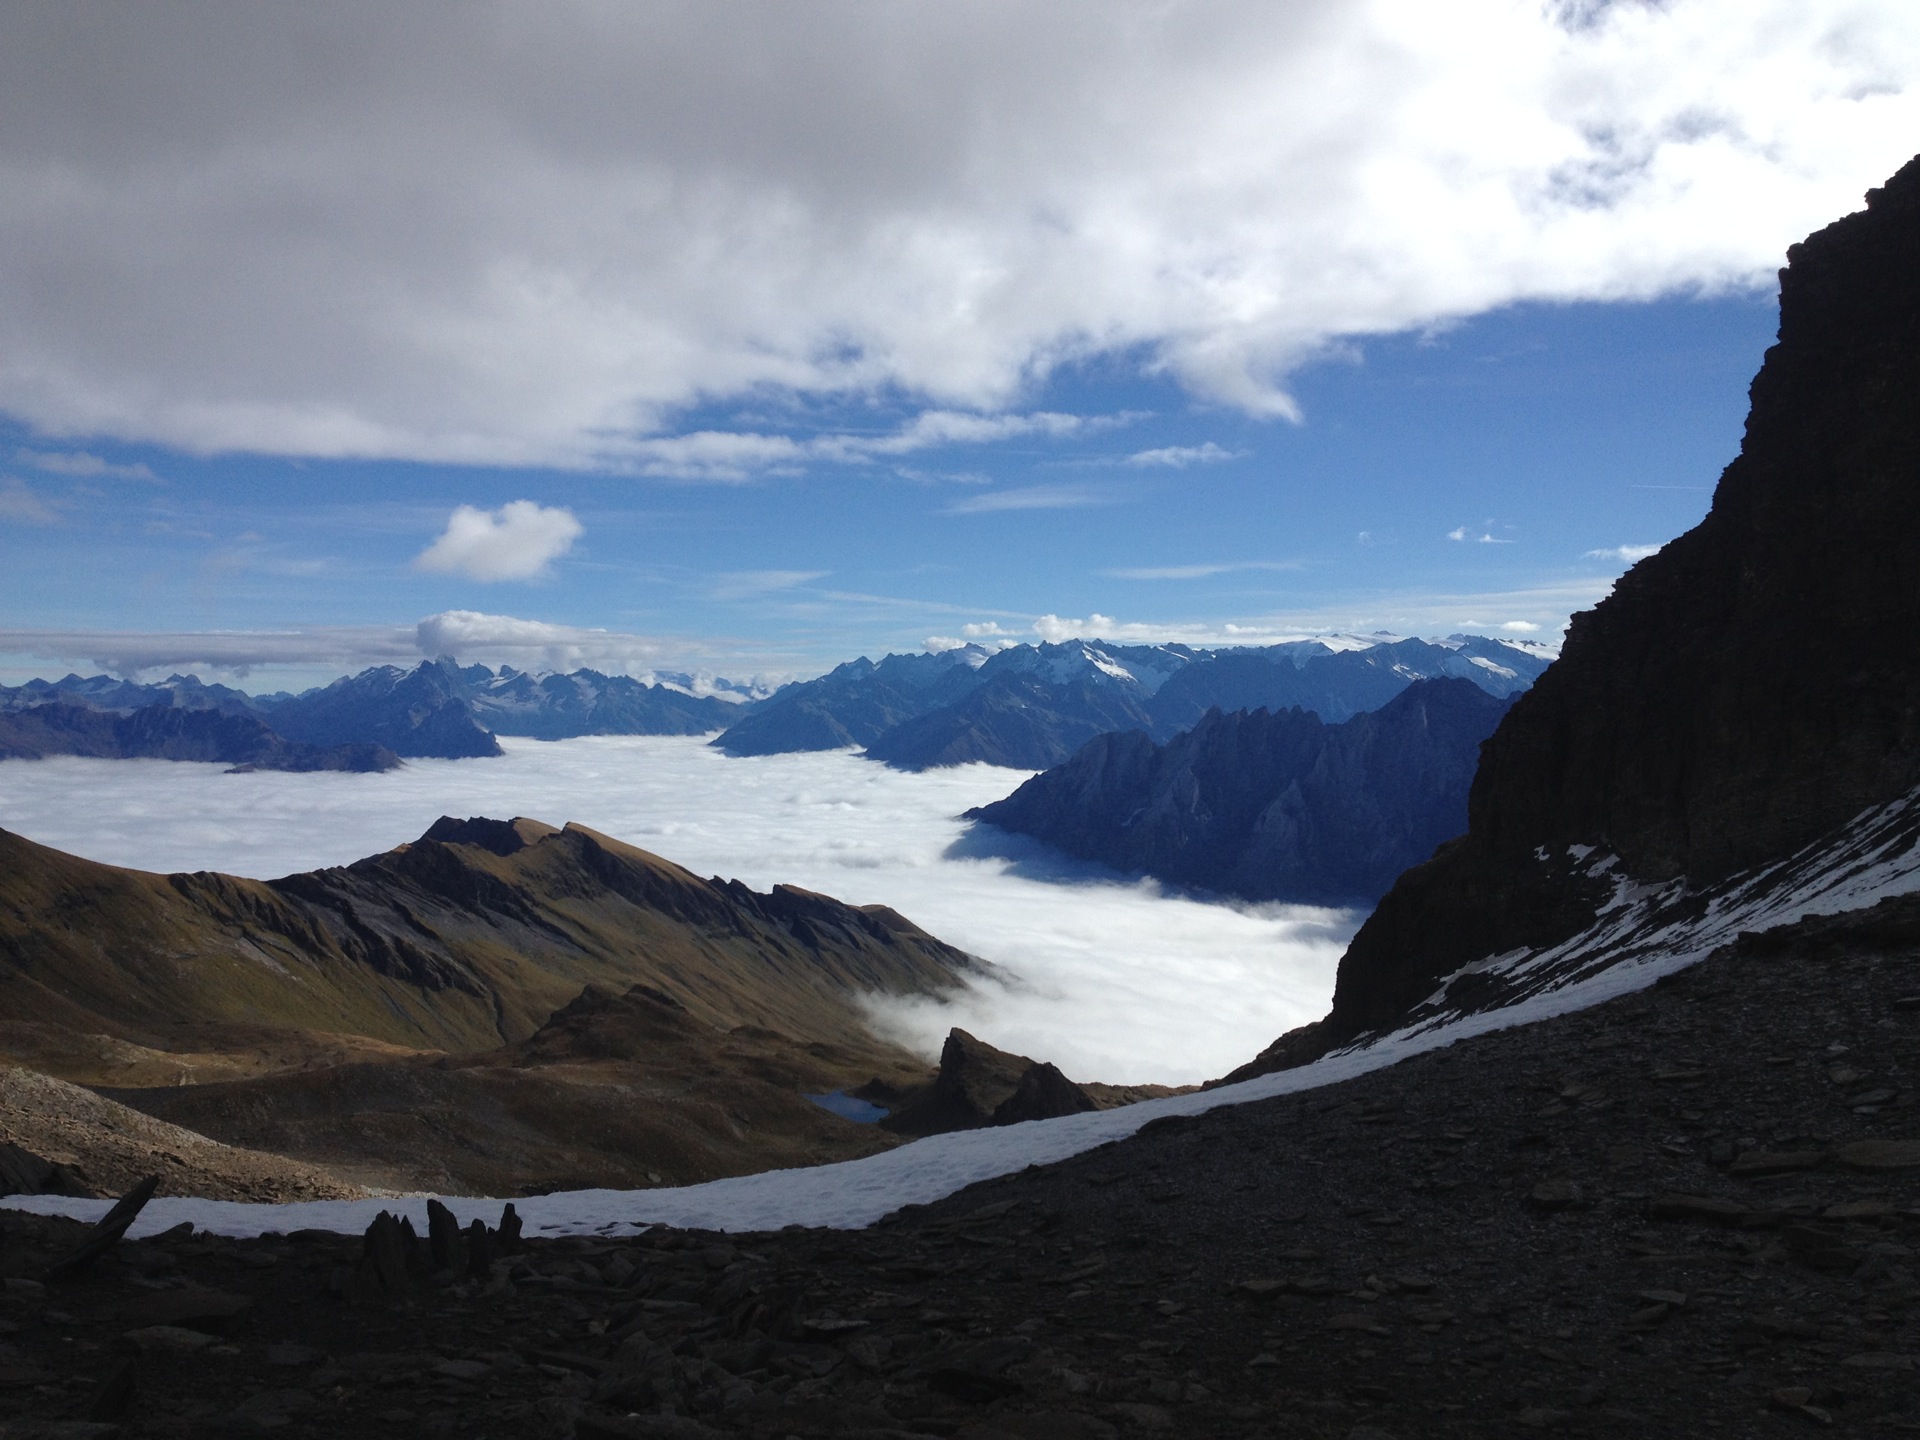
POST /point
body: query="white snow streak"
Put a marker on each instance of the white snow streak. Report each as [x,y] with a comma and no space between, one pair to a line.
[1874,858]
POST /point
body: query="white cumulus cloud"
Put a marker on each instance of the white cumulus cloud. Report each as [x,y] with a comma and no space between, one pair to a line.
[516,542]
[519,233]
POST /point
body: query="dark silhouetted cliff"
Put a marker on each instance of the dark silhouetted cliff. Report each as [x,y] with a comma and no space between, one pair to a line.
[1270,806]
[1750,687]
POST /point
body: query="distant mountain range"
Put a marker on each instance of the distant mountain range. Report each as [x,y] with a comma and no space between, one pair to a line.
[368,721]
[157,732]
[1033,706]
[1026,706]
[1270,805]
[559,707]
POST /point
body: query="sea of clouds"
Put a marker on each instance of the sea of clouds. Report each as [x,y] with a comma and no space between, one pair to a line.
[1111,979]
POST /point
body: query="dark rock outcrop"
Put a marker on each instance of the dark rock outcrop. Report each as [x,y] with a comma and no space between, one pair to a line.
[1741,693]
[24,1173]
[980,1086]
[1270,806]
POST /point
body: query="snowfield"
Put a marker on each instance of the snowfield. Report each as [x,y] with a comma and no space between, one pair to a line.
[1641,935]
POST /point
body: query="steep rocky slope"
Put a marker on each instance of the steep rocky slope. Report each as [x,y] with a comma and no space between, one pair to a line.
[1670,734]
[1270,806]
[466,939]
[497,1006]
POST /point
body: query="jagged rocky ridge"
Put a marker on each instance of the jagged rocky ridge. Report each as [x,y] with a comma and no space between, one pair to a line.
[1033,706]
[496,1005]
[1269,806]
[469,937]
[1669,746]
[359,722]
[586,702]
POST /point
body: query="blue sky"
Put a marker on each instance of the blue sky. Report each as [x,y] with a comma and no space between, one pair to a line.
[1544,433]
[560,335]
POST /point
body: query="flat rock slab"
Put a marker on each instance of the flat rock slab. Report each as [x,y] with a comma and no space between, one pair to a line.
[1881,1154]
[193,1307]
[168,1340]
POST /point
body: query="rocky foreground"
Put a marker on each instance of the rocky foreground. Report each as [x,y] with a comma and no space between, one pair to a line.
[1687,1211]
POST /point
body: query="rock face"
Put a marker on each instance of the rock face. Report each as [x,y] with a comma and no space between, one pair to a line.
[980,1086]
[1742,692]
[1270,806]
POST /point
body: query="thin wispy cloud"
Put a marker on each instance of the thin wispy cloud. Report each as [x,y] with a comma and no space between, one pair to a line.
[1626,554]
[538,242]
[20,504]
[746,584]
[1032,497]
[1467,535]
[472,636]
[1196,572]
[734,455]
[81,464]
[516,542]
[1179,457]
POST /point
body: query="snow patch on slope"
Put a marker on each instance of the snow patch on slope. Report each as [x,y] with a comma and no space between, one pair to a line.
[1640,935]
